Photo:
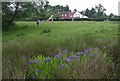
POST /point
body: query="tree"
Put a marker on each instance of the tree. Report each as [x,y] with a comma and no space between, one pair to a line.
[66,8]
[12,10]
[100,11]
[88,13]
[111,15]
[75,10]
[92,13]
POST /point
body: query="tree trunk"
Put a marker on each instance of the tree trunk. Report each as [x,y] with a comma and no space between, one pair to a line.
[14,14]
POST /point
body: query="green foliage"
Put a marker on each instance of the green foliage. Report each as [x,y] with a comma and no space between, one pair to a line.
[97,12]
[69,65]
[20,11]
[6,16]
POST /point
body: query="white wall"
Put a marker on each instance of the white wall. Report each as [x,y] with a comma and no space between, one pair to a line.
[78,15]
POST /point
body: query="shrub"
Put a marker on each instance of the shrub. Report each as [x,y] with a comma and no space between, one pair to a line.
[47,31]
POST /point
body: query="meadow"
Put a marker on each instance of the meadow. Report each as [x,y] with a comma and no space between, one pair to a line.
[73,50]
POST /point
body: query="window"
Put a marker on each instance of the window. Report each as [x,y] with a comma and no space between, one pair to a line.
[65,14]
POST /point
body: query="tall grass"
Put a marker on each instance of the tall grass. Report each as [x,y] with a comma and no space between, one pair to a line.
[17,54]
[24,43]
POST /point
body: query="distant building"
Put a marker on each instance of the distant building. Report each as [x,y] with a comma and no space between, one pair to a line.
[70,15]
[66,15]
[77,15]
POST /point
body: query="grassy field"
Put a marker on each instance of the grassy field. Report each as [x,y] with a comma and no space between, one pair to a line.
[26,41]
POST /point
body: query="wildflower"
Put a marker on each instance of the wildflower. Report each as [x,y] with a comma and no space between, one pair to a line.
[33,77]
[35,61]
[79,53]
[37,71]
[71,57]
[59,60]
[104,46]
[67,59]
[85,50]
[76,56]
[58,55]
[49,59]
[95,48]
[71,52]
[64,51]
[61,66]
[29,63]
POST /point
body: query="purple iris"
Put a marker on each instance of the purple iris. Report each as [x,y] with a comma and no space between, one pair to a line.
[64,51]
[61,66]
[76,56]
[95,48]
[49,59]
[104,46]
[85,50]
[33,77]
[67,59]
[71,57]
[71,52]
[58,55]
[35,61]
[29,63]
[78,53]
[37,71]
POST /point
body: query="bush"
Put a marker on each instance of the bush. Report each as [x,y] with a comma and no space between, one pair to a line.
[47,31]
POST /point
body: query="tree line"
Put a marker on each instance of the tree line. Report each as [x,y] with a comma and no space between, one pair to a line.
[12,11]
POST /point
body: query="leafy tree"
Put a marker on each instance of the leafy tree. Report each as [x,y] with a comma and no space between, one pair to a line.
[66,8]
[92,13]
[97,12]
[88,13]
[112,15]
[100,11]
[16,10]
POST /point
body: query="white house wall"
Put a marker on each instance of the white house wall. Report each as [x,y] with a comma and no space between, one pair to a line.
[77,15]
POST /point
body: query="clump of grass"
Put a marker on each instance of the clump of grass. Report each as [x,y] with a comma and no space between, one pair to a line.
[47,30]
[25,26]
[87,64]
[20,34]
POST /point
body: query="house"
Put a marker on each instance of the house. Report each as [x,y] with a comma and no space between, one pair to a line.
[66,15]
[77,15]
[70,15]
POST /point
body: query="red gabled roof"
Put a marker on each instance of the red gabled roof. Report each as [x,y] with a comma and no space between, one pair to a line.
[67,12]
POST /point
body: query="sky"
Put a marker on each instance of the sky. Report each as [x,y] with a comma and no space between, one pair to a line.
[111,6]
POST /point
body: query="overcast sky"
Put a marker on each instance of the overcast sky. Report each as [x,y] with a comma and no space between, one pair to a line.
[110,5]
